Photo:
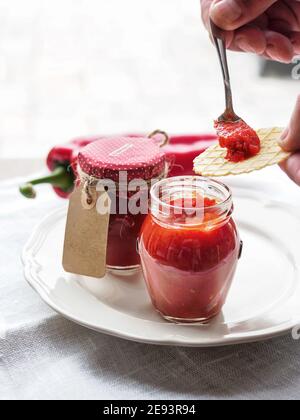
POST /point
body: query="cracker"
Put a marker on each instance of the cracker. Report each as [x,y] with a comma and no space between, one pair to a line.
[212,162]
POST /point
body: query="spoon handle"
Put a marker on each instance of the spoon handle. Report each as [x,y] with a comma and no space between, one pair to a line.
[222,54]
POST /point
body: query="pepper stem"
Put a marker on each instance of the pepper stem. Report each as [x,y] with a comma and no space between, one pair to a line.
[60,178]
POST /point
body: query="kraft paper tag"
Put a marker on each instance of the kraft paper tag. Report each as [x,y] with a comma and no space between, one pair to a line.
[86,235]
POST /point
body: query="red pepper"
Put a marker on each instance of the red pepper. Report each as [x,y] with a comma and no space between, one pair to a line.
[62,161]
[183,150]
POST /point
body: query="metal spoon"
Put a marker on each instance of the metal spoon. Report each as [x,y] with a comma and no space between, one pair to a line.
[229,115]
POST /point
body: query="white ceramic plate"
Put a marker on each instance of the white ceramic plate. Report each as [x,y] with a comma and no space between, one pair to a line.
[264,301]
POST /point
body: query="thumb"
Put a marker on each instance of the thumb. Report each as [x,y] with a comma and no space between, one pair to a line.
[291,137]
[232,14]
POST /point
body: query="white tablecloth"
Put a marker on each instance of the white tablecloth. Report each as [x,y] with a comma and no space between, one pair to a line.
[43,356]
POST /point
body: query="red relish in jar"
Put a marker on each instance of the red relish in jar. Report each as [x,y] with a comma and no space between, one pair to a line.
[121,163]
[189,247]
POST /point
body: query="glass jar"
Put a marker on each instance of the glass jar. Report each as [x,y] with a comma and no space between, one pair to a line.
[117,163]
[189,247]
[123,232]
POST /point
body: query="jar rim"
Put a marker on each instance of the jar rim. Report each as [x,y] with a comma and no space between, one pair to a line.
[223,188]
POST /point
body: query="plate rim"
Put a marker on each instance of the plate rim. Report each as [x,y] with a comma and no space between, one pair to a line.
[40,232]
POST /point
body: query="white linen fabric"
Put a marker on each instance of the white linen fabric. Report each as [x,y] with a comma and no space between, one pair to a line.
[44,356]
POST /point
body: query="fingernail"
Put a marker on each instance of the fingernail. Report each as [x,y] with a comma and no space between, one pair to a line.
[227,10]
[274,54]
[243,43]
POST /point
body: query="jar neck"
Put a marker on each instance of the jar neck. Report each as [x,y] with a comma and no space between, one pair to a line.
[185,202]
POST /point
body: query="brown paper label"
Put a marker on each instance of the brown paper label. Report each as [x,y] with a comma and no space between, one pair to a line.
[86,236]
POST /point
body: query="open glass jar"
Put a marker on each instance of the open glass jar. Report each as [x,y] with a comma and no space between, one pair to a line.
[119,163]
[189,247]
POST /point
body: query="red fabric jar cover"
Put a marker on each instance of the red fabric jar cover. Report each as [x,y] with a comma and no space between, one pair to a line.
[141,157]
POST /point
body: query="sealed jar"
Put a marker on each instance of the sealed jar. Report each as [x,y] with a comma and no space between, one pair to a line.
[126,167]
[189,247]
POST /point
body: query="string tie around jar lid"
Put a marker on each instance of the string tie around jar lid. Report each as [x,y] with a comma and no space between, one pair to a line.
[89,194]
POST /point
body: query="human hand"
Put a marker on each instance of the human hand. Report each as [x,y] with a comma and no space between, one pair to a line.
[270,28]
[291,142]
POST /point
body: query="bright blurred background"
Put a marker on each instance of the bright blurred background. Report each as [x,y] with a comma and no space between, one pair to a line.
[76,67]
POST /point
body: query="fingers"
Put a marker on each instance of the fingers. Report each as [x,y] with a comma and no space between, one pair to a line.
[291,142]
[270,44]
[295,40]
[291,137]
[279,47]
[232,14]
[250,39]
[205,7]
[284,16]
[292,168]
[255,37]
